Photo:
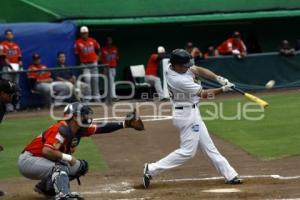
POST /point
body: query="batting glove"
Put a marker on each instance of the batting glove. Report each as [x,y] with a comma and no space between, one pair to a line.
[222,81]
[227,87]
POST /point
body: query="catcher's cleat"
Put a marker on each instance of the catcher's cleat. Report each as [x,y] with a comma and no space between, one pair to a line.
[235,180]
[2,193]
[147,177]
[39,188]
[72,196]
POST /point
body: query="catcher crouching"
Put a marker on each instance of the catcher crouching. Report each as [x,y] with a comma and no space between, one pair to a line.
[48,157]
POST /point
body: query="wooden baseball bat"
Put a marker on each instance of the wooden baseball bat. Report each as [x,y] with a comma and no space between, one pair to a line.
[251,97]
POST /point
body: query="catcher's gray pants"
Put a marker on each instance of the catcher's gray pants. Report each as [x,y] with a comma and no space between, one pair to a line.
[91,76]
[38,168]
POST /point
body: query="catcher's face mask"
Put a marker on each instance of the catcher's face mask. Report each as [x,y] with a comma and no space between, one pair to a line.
[86,116]
[82,114]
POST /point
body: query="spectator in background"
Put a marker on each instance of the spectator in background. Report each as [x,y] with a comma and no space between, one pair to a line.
[233,46]
[80,89]
[152,71]
[211,52]
[12,61]
[42,82]
[88,49]
[286,50]
[110,57]
[189,47]
[12,56]
[197,56]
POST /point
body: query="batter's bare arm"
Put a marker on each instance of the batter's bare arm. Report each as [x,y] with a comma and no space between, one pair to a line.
[206,73]
[210,92]
[203,72]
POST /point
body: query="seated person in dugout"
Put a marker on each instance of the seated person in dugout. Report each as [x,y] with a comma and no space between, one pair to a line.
[80,89]
[41,81]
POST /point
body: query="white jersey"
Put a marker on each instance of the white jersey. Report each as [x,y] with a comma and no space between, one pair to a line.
[182,88]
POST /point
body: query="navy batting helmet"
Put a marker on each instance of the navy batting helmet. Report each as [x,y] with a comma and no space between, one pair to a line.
[181,56]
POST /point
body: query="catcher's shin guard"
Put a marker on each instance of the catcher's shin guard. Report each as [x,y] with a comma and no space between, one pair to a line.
[60,179]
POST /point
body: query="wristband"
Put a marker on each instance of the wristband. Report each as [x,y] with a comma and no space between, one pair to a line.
[67,157]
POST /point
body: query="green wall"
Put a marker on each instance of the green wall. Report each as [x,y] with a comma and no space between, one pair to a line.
[136,43]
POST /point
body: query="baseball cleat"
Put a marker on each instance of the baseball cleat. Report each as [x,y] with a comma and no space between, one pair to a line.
[71,196]
[147,177]
[235,180]
[41,190]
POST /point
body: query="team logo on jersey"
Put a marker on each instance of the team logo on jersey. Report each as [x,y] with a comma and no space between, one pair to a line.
[195,128]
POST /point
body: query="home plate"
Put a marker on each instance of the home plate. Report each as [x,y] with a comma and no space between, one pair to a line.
[222,190]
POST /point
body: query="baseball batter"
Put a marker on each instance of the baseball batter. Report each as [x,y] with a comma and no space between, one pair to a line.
[49,158]
[185,95]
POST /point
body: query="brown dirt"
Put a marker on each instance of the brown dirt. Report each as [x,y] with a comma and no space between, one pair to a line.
[126,151]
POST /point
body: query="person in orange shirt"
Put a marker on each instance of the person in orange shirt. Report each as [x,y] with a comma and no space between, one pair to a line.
[12,61]
[50,159]
[233,46]
[88,49]
[42,81]
[110,57]
[12,56]
[152,72]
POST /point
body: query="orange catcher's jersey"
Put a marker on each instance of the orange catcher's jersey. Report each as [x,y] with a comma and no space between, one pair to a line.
[52,137]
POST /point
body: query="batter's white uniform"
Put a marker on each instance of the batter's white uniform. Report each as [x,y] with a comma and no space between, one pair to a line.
[193,132]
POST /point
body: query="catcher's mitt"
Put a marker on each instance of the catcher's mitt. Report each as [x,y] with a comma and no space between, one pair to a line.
[132,120]
[82,170]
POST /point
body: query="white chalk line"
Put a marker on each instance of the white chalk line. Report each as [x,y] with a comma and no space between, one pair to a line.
[220,178]
[222,190]
[145,118]
[126,188]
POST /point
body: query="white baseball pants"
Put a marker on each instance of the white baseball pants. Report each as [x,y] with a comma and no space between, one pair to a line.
[193,136]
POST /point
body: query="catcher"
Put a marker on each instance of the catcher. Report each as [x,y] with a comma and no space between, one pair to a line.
[49,158]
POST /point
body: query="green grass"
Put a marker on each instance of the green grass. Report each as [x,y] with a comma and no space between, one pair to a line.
[276,135]
[15,134]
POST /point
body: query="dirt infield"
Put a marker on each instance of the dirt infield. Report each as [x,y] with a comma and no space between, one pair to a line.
[125,153]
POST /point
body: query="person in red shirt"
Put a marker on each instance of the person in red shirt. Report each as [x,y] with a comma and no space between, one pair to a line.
[12,56]
[233,46]
[49,157]
[12,61]
[152,72]
[42,82]
[88,49]
[110,57]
